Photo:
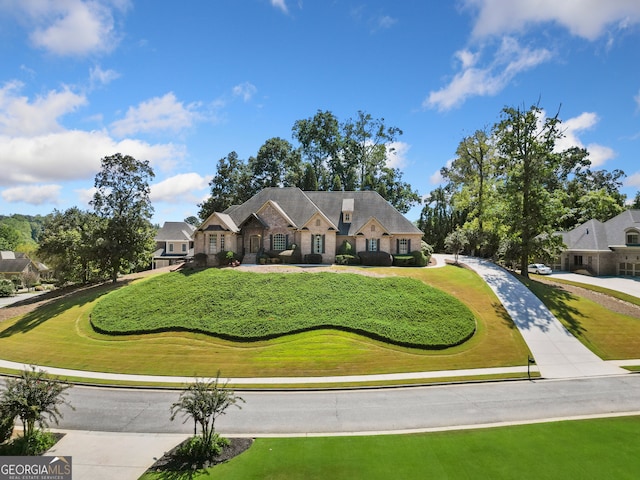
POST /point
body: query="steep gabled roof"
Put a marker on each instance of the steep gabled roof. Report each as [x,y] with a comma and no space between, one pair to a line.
[595,235]
[16,265]
[175,231]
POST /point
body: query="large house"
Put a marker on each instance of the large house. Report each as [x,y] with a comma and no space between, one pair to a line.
[174,244]
[604,248]
[316,222]
[14,265]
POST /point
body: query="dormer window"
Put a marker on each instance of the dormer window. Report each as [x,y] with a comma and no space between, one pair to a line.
[347,209]
[632,238]
[346,217]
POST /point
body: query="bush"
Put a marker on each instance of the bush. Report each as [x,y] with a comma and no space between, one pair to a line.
[420,259]
[200,259]
[6,288]
[345,249]
[290,256]
[227,258]
[195,449]
[35,444]
[7,422]
[377,259]
[347,260]
[314,258]
[403,260]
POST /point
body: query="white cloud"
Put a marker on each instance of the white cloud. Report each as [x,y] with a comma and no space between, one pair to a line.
[73,155]
[588,19]
[281,5]
[633,180]
[157,114]
[19,116]
[385,22]
[32,194]
[69,27]
[85,195]
[185,187]
[509,60]
[573,127]
[397,154]
[245,90]
[637,99]
[98,77]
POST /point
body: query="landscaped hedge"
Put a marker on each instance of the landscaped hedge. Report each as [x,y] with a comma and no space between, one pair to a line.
[347,260]
[314,258]
[246,306]
[377,259]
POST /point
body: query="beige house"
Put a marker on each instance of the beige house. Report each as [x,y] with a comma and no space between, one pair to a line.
[316,222]
[14,265]
[604,248]
[174,244]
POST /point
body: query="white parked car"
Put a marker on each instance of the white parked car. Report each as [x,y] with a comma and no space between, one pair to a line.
[539,268]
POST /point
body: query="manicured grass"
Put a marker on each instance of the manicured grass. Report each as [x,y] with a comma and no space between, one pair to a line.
[59,334]
[254,306]
[585,449]
[610,335]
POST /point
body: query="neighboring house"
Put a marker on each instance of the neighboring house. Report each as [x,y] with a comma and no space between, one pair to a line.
[609,248]
[174,244]
[13,265]
[317,222]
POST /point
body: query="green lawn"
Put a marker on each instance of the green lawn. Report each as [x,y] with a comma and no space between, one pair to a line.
[610,335]
[585,449]
[59,334]
[255,306]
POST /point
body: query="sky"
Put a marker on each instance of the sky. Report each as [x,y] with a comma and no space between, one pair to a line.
[182,84]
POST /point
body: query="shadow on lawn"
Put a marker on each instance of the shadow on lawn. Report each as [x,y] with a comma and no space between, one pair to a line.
[557,299]
[56,303]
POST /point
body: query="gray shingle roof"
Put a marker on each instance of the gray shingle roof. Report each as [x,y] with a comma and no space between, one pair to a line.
[595,235]
[175,231]
[301,206]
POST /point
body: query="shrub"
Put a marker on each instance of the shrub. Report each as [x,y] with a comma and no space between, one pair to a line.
[378,259]
[200,259]
[290,256]
[196,451]
[6,288]
[403,260]
[313,258]
[345,249]
[227,258]
[7,422]
[420,259]
[347,260]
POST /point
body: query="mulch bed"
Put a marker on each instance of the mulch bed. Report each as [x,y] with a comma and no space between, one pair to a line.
[170,462]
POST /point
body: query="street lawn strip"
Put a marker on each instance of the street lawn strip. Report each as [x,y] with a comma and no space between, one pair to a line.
[589,449]
[246,306]
[58,334]
[610,335]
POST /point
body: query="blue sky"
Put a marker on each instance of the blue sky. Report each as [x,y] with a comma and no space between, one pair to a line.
[182,84]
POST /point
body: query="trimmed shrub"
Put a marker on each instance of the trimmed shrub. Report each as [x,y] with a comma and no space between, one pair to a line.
[313,258]
[290,256]
[7,422]
[403,260]
[6,288]
[347,260]
[345,249]
[420,259]
[376,259]
[227,258]
[200,259]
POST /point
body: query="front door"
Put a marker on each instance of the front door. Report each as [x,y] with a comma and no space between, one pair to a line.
[254,243]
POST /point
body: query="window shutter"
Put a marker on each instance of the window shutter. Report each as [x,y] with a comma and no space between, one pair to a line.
[270,242]
[366,244]
[409,246]
[398,245]
[323,243]
[286,242]
[313,238]
[378,245]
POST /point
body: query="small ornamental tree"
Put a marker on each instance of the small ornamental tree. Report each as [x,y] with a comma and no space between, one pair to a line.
[6,288]
[33,399]
[455,242]
[204,401]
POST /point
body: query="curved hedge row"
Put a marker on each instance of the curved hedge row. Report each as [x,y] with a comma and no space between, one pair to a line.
[255,306]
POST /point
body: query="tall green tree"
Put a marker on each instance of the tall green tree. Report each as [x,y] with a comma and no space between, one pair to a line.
[9,238]
[125,239]
[67,244]
[320,143]
[636,201]
[438,218]
[231,185]
[277,164]
[531,168]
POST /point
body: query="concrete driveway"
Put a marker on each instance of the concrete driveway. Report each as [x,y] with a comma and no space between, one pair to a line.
[628,285]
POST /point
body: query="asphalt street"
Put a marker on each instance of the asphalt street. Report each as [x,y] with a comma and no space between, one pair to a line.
[361,411]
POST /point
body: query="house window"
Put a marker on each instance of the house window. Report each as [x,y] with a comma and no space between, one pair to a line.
[279,242]
[171,247]
[346,217]
[632,238]
[317,244]
[184,248]
[577,260]
[373,244]
[403,246]
[222,242]
[213,244]
[317,222]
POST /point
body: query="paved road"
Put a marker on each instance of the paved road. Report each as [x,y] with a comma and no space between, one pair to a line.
[362,411]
